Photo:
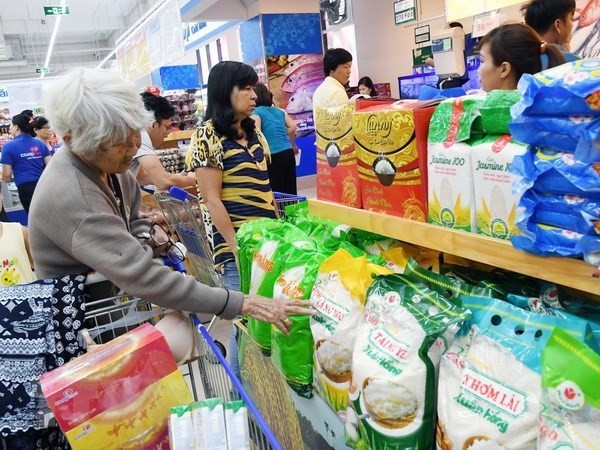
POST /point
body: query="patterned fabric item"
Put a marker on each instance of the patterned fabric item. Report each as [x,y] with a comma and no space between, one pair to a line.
[245,190]
[54,310]
[26,340]
[68,313]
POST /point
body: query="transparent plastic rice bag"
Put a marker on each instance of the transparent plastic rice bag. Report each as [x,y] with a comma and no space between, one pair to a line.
[570,415]
[573,88]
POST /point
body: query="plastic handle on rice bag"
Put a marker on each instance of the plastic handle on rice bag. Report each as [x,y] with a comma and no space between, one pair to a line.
[570,416]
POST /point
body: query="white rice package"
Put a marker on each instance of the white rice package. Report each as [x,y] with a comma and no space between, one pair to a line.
[490,379]
[338,296]
[181,430]
[495,203]
[450,176]
[236,422]
[570,417]
[209,424]
[393,386]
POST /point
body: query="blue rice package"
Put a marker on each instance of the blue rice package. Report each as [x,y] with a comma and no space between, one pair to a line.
[571,212]
[575,134]
[554,172]
[569,89]
[490,377]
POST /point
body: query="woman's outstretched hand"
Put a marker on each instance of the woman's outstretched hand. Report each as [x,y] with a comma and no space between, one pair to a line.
[276,311]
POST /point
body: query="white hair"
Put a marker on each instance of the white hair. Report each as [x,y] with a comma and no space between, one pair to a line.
[94,107]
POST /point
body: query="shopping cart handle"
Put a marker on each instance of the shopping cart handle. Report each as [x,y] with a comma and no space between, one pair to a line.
[179,194]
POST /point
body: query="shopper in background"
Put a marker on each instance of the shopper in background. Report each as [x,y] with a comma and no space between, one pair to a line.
[146,164]
[509,51]
[337,64]
[280,132]
[366,87]
[24,158]
[42,130]
[229,156]
[29,114]
[553,21]
[86,217]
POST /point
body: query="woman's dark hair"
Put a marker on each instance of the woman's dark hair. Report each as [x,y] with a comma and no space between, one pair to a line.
[28,113]
[263,96]
[23,123]
[39,123]
[521,47]
[223,77]
[335,57]
[159,106]
[367,82]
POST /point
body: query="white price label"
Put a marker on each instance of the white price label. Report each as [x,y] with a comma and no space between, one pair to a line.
[484,23]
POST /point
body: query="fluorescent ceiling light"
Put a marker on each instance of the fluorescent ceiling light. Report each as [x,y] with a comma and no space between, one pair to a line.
[53,37]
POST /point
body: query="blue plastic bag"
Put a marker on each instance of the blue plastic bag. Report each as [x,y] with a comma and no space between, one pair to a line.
[571,212]
[561,91]
[546,240]
[574,134]
[553,172]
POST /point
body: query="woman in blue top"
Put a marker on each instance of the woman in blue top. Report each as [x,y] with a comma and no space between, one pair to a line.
[279,130]
[24,157]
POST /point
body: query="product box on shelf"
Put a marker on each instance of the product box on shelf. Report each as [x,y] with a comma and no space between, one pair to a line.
[451,193]
[495,202]
[337,170]
[391,146]
[120,395]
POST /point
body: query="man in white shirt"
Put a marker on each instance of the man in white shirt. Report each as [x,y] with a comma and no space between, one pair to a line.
[337,63]
[146,164]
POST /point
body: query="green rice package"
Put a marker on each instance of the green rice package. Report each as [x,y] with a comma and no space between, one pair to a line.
[293,354]
[448,287]
[393,387]
[570,415]
[263,248]
[495,111]
[371,243]
[490,379]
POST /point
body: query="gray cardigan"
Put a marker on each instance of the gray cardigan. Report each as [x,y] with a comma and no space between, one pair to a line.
[75,226]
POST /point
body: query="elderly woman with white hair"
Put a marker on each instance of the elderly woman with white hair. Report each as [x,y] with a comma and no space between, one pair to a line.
[85,214]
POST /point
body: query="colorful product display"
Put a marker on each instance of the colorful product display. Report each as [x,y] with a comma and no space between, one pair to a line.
[391,146]
[120,395]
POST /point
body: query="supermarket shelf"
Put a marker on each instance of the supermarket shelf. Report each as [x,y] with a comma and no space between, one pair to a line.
[175,136]
[475,247]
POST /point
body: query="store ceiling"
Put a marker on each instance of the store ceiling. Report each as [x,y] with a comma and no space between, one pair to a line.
[84,38]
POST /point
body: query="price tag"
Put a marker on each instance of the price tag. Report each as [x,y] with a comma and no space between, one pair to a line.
[485,22]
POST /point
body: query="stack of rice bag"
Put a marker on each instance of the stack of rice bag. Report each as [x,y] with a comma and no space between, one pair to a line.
[559,118]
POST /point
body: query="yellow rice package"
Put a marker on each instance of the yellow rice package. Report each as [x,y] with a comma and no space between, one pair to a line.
[338,296]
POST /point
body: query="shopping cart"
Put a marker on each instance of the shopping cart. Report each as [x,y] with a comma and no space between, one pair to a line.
[282,200]
[218,380]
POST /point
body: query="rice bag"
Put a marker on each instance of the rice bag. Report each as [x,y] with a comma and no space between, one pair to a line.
[495,202]
[570,89]
[495,111]
[553,172]
[338,297]
[574,134]
[490,379]
[392,391]
[326,232]
[264,246]
[356,251]
[292,354]
[450,178]
[449,288]
[371,243]
[570,212]
[570,416]
[397,257]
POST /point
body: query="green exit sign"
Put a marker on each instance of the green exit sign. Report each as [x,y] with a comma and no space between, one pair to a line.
[42,70]
[56,10]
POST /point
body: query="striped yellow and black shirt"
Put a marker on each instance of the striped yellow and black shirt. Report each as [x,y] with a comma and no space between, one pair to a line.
[245,191]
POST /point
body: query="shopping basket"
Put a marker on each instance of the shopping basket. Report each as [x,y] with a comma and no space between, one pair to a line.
[282,200]
[218,380]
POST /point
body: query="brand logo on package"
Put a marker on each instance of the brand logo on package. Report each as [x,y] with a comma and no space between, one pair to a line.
[68,394]
[570,395]
[499,395]
[388,344]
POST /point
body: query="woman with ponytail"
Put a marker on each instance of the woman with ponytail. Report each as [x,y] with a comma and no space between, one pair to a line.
[509,51]
[24,157]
